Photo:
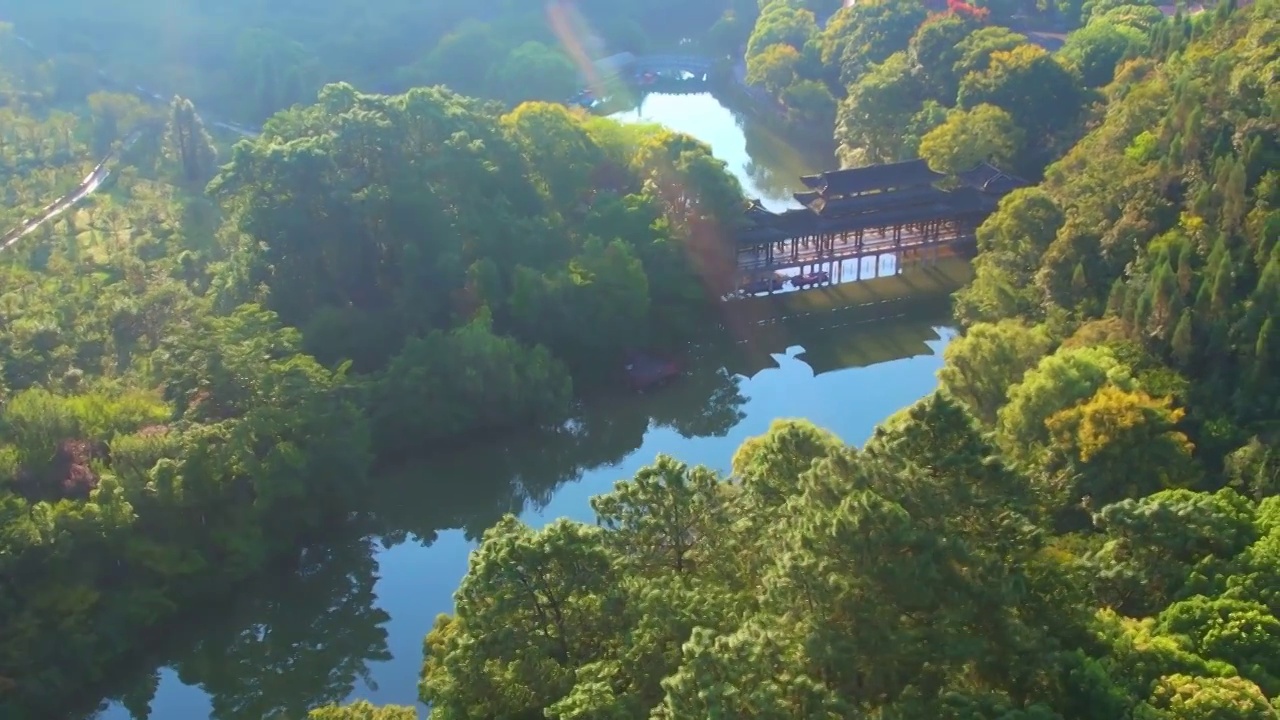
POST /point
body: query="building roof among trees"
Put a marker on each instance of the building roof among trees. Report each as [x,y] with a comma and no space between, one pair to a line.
[990,179]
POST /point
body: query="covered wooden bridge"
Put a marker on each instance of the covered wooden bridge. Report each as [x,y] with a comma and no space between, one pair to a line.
[627,65]
[868,212]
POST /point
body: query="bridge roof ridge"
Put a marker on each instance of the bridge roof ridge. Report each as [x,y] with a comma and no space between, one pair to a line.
[805,198]
[873,177]
[877,202]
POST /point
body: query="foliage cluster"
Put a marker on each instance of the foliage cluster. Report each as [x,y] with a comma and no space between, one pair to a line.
[783,57]
[1159,228]
[954,89]
[956,86]
[1080,524]
[250,59]
[194,386]
[511,251]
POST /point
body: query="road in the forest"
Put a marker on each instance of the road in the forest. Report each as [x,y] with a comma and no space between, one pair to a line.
[94,180]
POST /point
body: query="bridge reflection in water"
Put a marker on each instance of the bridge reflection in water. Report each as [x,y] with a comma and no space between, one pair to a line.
[845,325]
[832,341]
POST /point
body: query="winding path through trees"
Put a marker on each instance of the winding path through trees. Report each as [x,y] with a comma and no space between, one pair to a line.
[86,187]
[101,171]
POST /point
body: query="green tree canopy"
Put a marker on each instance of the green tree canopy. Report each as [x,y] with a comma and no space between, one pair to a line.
[985,133]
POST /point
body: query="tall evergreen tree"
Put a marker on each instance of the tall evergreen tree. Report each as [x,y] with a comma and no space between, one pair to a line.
[188,144]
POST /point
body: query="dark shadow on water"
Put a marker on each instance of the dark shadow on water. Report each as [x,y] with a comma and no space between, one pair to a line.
[832,340]
[778,158]
[472,489]
[297,641]
[306,637]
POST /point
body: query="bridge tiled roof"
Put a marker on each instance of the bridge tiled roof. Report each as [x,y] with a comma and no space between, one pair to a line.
[756,212]
[805,198]
[911,173]
[692,63]
[614,64]
[796,221]
[793,221]
[865,213]
[970,200]
[919,195]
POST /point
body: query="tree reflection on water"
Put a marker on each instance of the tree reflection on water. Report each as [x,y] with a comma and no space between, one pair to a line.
[308,636]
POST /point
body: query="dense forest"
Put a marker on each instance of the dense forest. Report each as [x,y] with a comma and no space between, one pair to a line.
[1080,523]
[899,80]
[196,376]
[250,58]
[200,365]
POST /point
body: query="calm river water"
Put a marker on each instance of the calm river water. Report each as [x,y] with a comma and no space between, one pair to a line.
[350,623]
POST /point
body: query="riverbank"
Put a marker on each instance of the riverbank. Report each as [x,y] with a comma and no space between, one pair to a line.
[525,471]
[770,113]
[350,623]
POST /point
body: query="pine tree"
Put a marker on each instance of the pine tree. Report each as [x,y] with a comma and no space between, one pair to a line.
[1255,160]
[1183,342]
[1186,273]
[188,144]
[1265,349]
[1267,294]
[1234,201]
[1266,357]
[1079,282]
[1192,135]
[1141,310]
[1116,300]
[1165,303]
[1220,297]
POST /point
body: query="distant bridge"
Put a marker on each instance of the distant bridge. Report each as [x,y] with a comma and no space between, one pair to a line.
[666,74]
[627,65]
[692,64]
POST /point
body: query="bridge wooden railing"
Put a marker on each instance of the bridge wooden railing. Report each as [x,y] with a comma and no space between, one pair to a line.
[750,263]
